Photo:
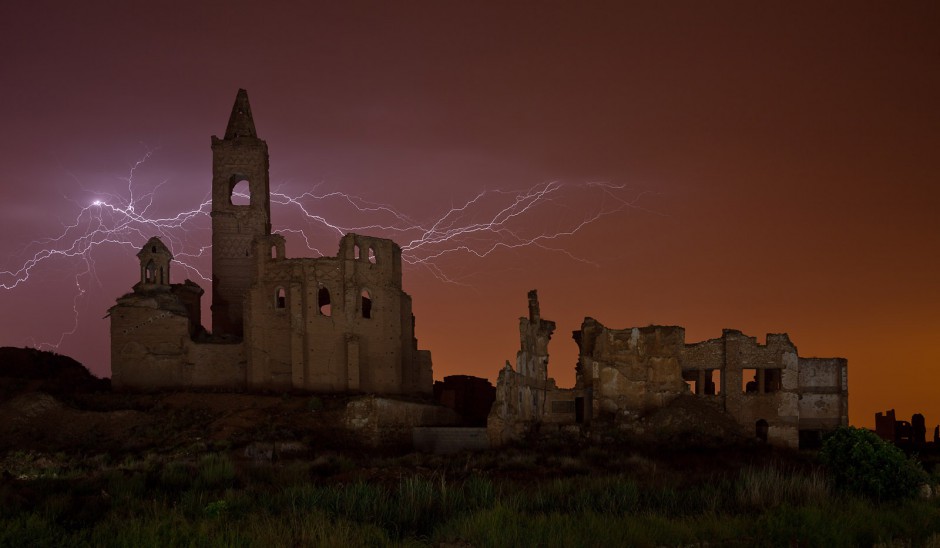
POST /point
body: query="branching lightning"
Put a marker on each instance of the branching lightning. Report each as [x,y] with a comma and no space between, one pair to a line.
[540,216]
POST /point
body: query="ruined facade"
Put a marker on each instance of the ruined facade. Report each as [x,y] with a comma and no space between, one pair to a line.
[329,324]
[625,374]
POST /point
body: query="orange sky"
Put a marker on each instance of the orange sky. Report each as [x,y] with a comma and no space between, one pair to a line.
[790,152]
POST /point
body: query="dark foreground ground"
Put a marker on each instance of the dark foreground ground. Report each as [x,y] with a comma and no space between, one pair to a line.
[83,466]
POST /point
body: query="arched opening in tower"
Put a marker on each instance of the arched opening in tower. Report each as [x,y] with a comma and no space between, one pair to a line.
[241,193]
[323,302]
[366,304]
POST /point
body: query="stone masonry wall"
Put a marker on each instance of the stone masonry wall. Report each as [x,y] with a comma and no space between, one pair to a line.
[626,374]
[631,370]
[152,348]
[362,341]
[824,401]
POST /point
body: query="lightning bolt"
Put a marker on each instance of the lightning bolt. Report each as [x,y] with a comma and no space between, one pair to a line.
[489,221]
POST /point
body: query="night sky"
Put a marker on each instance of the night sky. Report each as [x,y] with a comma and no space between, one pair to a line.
[777,163]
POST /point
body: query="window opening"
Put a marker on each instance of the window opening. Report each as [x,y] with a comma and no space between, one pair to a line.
[150,275]
[153,249]
[712,382]
[280,299]
[274,252]
[691,380]
[323,302]
[241,193]
[371,255]
[366,304]
[749,383]
[356,252]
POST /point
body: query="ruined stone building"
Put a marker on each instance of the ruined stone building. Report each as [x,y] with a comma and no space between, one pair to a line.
[624,374]
[333,324]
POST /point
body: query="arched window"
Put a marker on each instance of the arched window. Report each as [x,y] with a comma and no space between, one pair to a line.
[150,275]
[366,304]
[241,193]
[356,252]
[762,428]
[323,302]
[274,252]
[280,298]
[371,255]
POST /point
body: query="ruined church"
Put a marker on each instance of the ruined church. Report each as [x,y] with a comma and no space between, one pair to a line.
[328,324]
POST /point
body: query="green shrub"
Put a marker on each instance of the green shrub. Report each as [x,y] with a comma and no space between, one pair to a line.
[216,508]
[860,462]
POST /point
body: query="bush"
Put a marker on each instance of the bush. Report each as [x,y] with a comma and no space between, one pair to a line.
[862,463]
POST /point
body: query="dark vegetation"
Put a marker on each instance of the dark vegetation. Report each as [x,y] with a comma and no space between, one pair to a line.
[517,497]
[202,476]
[25,370]
[861,463]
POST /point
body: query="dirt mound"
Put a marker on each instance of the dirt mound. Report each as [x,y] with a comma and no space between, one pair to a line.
[38,421]
[688,420]
[24,370]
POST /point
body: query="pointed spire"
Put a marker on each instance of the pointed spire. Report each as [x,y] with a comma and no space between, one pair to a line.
[240,123]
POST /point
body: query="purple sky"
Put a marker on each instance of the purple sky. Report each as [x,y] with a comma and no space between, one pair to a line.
[785,155]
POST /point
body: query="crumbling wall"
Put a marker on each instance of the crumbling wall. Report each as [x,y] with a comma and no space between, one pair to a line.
[335,324]
[379,421]
[151,347]
[630,371]
[824,395]
[526,397]
[626,376]
[759,383]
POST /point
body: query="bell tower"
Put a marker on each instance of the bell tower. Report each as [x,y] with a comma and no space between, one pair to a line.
[154,265]
[239,157]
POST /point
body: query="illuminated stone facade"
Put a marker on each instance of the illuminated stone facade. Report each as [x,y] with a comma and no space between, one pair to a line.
[329,324]
[624,375]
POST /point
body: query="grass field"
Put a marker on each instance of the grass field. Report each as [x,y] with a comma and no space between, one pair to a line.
[593,497]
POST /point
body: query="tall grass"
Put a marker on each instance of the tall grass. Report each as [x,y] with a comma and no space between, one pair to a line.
[762,488]
[215,471]
[210,503]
